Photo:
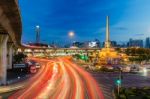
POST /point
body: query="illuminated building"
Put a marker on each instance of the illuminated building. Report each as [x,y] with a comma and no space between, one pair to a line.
[135,43]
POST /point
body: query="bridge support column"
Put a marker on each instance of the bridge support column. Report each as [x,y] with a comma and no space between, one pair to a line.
[10,55]
[3,58]
[33,53]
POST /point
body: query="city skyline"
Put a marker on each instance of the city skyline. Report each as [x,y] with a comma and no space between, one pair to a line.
[85,18]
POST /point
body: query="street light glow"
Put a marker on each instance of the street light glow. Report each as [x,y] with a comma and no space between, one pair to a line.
[71,33]
[38,26]
[145,72]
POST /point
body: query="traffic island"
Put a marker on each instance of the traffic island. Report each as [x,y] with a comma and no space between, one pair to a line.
[7,94]
[133,93]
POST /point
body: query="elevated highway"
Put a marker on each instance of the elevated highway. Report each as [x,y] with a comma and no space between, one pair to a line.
[10,34]
[45,51]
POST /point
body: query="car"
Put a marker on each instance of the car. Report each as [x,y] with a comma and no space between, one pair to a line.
[37,65]
[33,69]
[32,62]
[134,69]
[126,69]
[110,67]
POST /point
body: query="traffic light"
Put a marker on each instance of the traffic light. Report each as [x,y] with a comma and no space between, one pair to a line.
[118,81]
[83,57]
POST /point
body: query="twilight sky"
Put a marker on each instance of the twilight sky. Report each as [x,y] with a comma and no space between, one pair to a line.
[87,18]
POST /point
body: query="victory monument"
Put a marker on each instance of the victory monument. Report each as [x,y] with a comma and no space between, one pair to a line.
[108,55]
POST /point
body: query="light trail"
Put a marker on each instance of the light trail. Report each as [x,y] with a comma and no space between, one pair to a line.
[60,79]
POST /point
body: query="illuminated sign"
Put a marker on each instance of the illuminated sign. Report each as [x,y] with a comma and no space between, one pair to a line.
[92,44]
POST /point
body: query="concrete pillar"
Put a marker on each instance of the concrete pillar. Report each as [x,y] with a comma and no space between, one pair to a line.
[45,52]
[3,58]
[15,50]
[33,53]
[10,55]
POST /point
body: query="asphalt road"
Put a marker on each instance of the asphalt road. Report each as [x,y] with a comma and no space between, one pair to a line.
[107,81]
[60,79]
[14,76]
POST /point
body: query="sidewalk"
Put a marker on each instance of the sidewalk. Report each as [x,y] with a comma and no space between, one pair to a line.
[15,81]
[4,89]
[14,76]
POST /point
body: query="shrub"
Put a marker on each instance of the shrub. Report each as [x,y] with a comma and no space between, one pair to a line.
[122,96]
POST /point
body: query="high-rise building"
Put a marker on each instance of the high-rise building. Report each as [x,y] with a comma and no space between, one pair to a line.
[113,43]
[135,43]
[78,44]
[37,34]
[147,42]
[98,43]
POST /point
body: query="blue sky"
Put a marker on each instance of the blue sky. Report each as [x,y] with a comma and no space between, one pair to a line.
[87,18]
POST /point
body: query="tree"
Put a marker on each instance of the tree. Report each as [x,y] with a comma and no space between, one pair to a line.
[138,54]
[18,58]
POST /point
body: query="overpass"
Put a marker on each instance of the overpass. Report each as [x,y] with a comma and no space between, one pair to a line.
[10,34]
[45,51]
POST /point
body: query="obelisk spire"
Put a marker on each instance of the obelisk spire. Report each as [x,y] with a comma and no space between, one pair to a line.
[107,29]
[107,42]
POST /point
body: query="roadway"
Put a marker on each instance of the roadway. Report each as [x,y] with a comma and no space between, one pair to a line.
[59,79]
[107,81]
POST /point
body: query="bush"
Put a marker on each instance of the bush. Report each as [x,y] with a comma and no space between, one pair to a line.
[18,58]
[133,97]
[122,96]
[146,97]
[146,88]
[134,93]
[129,92]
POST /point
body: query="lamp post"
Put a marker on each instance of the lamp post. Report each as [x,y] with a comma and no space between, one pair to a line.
[119,81]
[71,35]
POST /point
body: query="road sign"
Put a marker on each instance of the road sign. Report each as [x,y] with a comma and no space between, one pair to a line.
[33,69]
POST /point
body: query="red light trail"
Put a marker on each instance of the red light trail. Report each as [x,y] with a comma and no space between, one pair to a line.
[60,79]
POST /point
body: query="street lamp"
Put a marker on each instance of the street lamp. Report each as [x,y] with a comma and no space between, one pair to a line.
[37,26]
[71,35]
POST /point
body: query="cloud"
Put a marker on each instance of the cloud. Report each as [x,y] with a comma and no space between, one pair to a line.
[121,28]
[140,34]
